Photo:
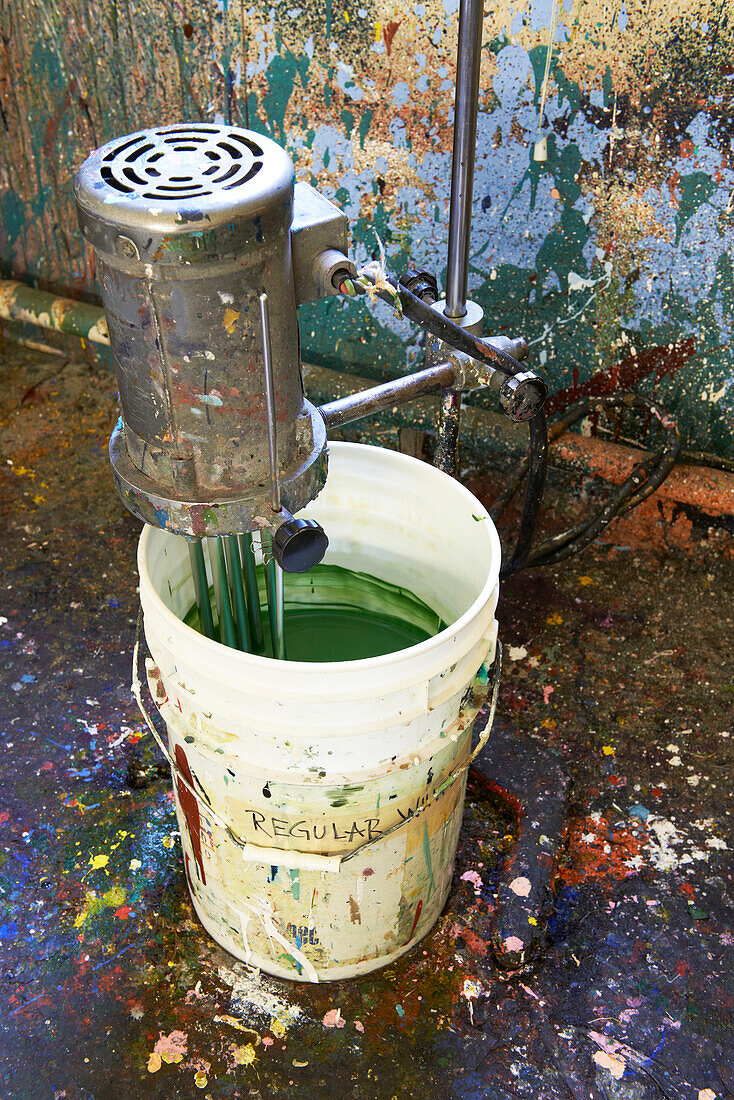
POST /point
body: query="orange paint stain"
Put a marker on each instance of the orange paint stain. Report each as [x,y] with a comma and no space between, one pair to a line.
[596,851]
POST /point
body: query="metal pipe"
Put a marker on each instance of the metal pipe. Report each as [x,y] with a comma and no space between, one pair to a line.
[201,588]
[22,303]
[237,590]
[380,398]
[227,633]
[253,594]
[270,405]
[446,457]
[280,612]
[471,14]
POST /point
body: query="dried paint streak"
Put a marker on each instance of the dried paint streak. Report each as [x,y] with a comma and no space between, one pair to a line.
[190,807]
[416,918]
[427,853]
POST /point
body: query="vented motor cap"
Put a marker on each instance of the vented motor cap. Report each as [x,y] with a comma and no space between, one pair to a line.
[181,194]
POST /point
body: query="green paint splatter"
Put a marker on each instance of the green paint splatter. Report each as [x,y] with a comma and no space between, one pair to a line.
[364,125]
[695,190]
[427,853]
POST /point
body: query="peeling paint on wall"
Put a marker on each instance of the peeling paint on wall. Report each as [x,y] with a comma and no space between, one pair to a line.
[611,254]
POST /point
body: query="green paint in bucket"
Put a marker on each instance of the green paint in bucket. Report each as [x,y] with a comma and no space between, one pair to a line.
[337,614]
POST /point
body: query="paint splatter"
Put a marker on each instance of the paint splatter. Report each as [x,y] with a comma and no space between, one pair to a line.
[170,1049]
[514,944]
[521,886]
[244,1055]
[616,1066]
[333,1018]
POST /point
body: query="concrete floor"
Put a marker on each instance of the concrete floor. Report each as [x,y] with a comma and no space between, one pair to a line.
[620,660]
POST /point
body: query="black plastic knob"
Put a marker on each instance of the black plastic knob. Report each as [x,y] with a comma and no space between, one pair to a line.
[299,544]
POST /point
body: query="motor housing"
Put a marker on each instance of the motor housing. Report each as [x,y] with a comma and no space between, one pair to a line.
[189,225]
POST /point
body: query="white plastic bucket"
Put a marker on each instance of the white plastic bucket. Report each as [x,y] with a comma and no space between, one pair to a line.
[320,803]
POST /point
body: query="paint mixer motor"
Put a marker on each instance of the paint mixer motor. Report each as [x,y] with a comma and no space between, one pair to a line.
[201,235]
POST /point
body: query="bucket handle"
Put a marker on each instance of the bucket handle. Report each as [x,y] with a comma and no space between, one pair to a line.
[311,861]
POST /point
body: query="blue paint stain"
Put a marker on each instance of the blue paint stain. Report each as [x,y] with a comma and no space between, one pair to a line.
[28,679]
[400,1011]
[8,931]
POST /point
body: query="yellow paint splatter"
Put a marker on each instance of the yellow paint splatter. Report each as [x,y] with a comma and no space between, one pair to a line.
[278,1029]
[586,580]
[231,317]
[94,903]
[168,842]
[39,499]
[200,1080]
[608,750]
[98,861]
[555,619]
[244,1055]
[378,31]
[154,1062]
[532,920]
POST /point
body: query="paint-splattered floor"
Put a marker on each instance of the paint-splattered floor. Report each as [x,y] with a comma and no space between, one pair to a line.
[110,988]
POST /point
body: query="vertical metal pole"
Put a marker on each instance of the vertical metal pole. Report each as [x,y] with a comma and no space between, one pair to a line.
[237,590]
[471,16]
[227,632]
[468,57]
[273,573]
[253,595]
[201,588]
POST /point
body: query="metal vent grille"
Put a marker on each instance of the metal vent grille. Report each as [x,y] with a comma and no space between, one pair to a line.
[182,162]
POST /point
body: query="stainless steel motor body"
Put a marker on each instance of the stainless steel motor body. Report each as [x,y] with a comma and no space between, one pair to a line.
[190,225]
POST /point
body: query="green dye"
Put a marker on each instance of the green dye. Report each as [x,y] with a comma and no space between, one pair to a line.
[336,614]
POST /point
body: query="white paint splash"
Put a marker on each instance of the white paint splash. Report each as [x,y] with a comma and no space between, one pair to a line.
[252,992]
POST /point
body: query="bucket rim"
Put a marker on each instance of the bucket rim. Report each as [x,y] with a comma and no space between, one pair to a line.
[366,664]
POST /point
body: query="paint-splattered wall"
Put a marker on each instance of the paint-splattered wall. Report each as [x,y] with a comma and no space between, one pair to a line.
[612,255]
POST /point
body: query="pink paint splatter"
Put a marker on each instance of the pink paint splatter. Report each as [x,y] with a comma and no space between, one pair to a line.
[548,690]
[473,877]
[267,1041]
[514,943]
[359,1026]
[333,1018]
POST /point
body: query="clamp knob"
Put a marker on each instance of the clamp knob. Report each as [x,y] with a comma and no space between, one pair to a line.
[299,544]
[523,395]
